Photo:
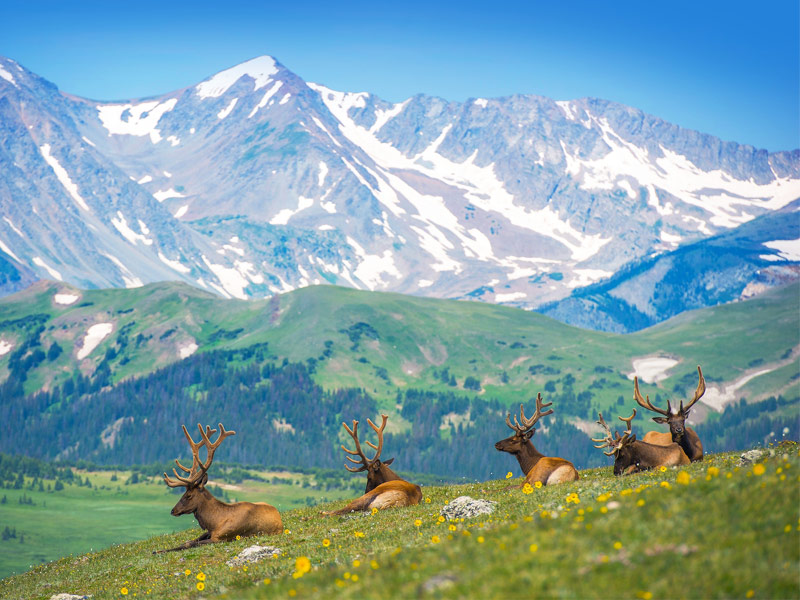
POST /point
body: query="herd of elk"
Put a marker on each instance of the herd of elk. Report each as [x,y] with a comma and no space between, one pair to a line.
[536,466]
[684,436]
[632,455]
[385,489]
[224,521]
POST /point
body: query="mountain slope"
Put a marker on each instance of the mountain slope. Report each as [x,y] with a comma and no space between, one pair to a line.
[734,265]
[254,182]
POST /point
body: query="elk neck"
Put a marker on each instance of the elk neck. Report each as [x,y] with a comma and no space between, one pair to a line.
[210,511]
[528,456]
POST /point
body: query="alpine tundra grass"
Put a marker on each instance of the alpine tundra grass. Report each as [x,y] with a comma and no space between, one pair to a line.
[712,529]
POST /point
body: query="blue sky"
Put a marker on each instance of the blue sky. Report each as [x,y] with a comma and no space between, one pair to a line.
[730,69]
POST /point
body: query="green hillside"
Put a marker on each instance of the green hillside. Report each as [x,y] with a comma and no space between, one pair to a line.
[385,342]
[709,530]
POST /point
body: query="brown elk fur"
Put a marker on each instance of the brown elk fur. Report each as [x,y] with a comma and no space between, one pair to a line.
[537,467]
[222,521]
[385,489]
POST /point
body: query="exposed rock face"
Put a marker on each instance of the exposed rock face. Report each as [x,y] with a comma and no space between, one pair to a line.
[254,182]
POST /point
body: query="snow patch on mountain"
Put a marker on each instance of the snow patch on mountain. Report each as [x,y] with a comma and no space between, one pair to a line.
[175,265]
[37,260]
[371,267]
[8,77]
[63,176]
[8,251]
[652,369]
[5,347]
[323,173]
[162,195]
[283,216]
[510,297]
[187,350]
[96,334]
[181,211]
[129,279]
[384,116]
[66,299]
[227,110]
[263,102]
[135,119]
[13,227]
[145,179]
[121,224]
[787,249]
[260,69]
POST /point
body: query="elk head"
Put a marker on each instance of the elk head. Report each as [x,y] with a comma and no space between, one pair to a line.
[676,419]
[377,472]
[621,445]
[197,476]
[522,432]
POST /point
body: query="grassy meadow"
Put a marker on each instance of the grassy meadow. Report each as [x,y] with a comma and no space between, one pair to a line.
[713,529]
[79,519]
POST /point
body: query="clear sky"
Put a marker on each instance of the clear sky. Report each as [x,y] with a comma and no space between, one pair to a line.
[724,67]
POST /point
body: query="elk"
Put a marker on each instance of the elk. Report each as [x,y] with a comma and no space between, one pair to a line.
[385,489]
[536,466]
[684,436]
[221,520]
[631,455]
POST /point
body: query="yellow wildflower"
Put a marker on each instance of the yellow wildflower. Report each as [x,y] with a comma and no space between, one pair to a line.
[533,547]
[750,593]
[356,563]
[187,572]
[238,537]
[665,484]
[124,591]
[603,497]
[537,485]
[640,502]
[527,489]
[267,581]
[427,500]
[201,586]
[440,519]
[374,564]
[452,527]
[354,577]
[480,539]
[663,469]
[617,545]
[358,534]
[509,475]
[374,510]
[713,471]
[326,542]
[758,469]
[201,576]
[435,539]
[683,478]
[302,564]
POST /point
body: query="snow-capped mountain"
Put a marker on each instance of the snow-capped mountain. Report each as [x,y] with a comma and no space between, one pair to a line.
[255,182]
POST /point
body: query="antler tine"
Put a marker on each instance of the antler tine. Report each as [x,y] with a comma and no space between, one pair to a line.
[628,421]
[379,431]
[701,389]
[641,402]
[508,422]
[211,447]
[357,452]
[606,440]
[528,423]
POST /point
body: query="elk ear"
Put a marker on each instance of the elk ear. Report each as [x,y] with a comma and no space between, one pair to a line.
[661,420]
[388,462]
[203,480]
[529,434]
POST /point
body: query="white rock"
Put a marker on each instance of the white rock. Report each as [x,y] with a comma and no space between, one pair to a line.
[253,554]
[465,507]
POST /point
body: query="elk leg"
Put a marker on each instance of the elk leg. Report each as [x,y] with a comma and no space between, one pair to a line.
[361,503]
[205,538]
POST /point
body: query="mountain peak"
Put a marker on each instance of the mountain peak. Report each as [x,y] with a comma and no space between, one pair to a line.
[260,69]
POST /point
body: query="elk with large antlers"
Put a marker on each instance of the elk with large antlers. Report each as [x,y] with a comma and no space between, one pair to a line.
[631,455]
[385,489]
[537,467]
[222,521]
[684,436]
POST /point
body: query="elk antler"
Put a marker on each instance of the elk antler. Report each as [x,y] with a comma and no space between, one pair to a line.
[365,462]
[528,423]
[628,421]
[647,404]
[701,389]
[608,441]
[196,474]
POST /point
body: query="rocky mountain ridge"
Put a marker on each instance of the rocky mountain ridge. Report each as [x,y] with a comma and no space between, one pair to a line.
[254,182]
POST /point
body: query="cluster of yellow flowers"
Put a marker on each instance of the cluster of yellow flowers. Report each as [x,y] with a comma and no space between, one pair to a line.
[301,566]
[573,499]
[527,488]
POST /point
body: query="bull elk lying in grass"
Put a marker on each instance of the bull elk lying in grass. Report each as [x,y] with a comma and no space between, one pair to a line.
[631,455]
[385,489]
[684,436]
[536,466]
[221,520]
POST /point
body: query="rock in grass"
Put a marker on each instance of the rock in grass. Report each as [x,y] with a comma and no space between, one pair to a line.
[751,456]
[68,597]
[465,507]
[253,554]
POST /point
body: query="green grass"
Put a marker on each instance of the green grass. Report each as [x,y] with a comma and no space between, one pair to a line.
[417,337]
[78,519]
[727,532]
